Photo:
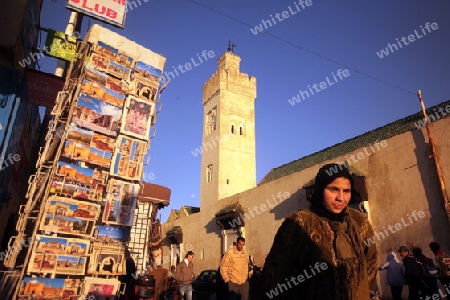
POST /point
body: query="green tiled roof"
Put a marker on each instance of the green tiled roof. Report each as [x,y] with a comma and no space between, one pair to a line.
[382,133]
[353,171]
[175,229]
[230,208]
[192,209]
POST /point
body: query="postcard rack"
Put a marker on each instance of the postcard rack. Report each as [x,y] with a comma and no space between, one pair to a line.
[83,198]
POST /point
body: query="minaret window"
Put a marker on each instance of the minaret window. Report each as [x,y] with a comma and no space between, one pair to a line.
[209,170]
[211,120]
[232,129]
[241,129]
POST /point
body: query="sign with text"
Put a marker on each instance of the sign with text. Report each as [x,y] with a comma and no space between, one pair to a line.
[43,88]
[108,11]
[60,45]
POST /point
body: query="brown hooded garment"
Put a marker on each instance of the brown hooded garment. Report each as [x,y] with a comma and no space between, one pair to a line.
[320,255]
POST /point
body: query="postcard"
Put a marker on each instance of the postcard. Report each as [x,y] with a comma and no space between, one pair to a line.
[117,85]
[77,247]
[106,51]
[110,238]
[98,185]
[144,90]
[80,135]
[147,73]
[112,233]
[118,70]
[90,138]
[67,225]
[71,289]
[50,245]
[63,215]
[87,154]
[34,288]
[59,245]
[96,115]
[103,262]
[59,255]
[42,263]
[74,265]
[66,207]
[103,287]
[124,59]
[74,181]
[99,62]
[103,93]
[137,118]
[94,75]
[108,251]
[120,203]
[128,158]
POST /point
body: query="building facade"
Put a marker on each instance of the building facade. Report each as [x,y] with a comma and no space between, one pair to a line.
[19,119]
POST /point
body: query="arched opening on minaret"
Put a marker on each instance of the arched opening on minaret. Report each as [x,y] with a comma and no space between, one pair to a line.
[241,129]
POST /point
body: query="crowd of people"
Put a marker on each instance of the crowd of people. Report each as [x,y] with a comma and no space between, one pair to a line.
[420,273]
[326,255]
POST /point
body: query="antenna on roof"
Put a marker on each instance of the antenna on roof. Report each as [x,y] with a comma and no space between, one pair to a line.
[231,47]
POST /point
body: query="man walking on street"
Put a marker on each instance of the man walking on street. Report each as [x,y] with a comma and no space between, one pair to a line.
[412,273]
[234,271]
[185,274]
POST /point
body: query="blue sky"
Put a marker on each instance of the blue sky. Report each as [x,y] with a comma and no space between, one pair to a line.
[303,49]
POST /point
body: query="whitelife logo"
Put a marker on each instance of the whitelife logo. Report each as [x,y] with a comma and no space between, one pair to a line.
[263,207]
[35,56]
[434,116]
[281,287]
[357,157]
[188,66]
[280,17]
[411,38]
[319,87]
[398,226]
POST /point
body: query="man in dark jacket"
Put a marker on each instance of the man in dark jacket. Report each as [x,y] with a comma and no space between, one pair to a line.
[442,261]
[160,274]
[429,274]
[412,273]
[185,274]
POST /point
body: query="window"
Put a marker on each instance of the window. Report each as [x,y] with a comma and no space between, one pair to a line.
[209,170]
[241,129]
[211,120]
[232,129]
[174,254]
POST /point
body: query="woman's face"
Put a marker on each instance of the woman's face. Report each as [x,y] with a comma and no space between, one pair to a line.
[337,194]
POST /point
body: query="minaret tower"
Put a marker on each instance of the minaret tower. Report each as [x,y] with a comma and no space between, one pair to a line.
[228,159]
